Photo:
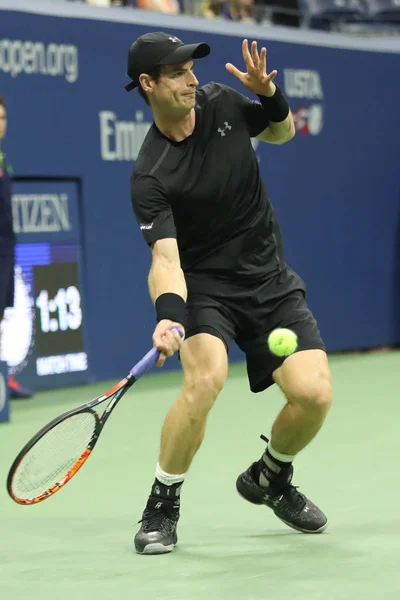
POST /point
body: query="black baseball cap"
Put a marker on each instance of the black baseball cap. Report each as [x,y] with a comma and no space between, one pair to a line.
[159,48]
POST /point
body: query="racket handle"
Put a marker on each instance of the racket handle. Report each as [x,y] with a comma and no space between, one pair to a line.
[149,359]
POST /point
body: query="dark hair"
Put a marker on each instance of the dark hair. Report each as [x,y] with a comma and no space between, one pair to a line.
[155,74]
[2,101]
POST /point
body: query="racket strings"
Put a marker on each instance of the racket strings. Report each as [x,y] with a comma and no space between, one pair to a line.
[53,455]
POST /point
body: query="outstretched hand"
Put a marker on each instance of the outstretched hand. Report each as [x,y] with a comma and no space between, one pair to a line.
[256,78]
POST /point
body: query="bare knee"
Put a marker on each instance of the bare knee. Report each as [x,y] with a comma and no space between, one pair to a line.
[200,390]
[313,394]
[205,365]
[305,380]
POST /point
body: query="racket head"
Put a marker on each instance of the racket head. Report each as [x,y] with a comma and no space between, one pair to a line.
[53,456]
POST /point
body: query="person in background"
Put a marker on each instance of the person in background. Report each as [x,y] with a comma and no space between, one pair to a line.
[7,244]
[163,6]
[234,10]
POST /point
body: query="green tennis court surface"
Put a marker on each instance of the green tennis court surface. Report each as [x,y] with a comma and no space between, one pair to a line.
[78,544]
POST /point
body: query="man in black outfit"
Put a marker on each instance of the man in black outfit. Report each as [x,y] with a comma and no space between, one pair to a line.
[218,273]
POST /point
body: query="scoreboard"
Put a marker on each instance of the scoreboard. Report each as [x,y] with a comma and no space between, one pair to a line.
[43,340]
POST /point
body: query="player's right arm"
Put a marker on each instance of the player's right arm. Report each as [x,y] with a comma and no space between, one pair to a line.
[167,284]
[166,275]
[166,280]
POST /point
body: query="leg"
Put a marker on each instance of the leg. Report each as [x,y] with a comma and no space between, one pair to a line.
[205,365]
[305,380]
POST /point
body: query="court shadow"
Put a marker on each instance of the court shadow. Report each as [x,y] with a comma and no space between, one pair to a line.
[277,534]
[271,545]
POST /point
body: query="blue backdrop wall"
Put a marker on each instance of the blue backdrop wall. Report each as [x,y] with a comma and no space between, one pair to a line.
[335,187]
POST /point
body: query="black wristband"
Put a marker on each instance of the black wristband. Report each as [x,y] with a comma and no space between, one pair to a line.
[172,307]
[276,106]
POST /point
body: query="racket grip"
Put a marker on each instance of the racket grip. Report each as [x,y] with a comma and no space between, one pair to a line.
[148,360]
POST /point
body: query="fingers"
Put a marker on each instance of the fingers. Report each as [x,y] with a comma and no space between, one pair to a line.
[263,60]
[161,360]
[246,55]
[254,61]
[254,55]
[168,343]
[271,76]
[176,339]
[167,340]
[234,71]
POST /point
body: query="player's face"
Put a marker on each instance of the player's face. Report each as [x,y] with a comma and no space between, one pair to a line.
[3,122]
[176,87]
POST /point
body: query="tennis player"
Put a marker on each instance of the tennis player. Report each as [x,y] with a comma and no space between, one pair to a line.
[218,272]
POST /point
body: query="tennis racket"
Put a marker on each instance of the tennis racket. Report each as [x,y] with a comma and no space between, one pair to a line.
[56,453]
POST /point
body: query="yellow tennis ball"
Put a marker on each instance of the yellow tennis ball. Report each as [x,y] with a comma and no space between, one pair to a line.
[282,342]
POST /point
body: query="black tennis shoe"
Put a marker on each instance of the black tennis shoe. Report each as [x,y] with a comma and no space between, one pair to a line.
[157,534]
[288,504]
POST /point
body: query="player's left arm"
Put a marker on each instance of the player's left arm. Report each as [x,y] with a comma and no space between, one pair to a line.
[281,127]
[278,133]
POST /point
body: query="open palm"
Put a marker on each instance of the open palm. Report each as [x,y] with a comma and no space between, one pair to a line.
[256,78]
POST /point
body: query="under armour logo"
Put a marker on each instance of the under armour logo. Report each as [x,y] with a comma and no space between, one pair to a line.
[226,127]
[174,39]
[268,498]
[158,505]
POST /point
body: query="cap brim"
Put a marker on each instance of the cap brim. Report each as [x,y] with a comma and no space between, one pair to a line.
[179,55]
[186,52]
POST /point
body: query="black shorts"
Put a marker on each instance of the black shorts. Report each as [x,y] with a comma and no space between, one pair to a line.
[247,314]
[6,279]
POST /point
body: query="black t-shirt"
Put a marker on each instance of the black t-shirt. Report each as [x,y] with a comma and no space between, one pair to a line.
[206,191]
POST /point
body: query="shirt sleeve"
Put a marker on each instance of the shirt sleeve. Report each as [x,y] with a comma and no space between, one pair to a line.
[152,209]
[251,110]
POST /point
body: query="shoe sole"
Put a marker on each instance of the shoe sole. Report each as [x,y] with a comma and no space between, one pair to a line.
[156,549]
[320,530]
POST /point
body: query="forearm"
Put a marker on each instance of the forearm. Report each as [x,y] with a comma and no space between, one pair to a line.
[166,277]
[281,124]
[284,130]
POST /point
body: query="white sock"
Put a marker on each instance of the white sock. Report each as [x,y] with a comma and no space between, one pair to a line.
[167,478]
[285,458]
